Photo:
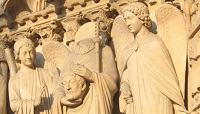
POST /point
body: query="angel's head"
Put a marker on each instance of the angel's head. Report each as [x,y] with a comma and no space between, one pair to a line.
[24,51]
[136,15]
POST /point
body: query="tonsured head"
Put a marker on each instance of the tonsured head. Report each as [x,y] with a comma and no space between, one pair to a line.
[74,87]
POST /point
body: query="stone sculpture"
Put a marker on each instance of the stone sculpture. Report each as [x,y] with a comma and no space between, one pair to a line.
[52,55]
[172,30]
[30,88]
[167,66]
[36,5]
[149,82]
[81,88]
[191,11]
[3,83]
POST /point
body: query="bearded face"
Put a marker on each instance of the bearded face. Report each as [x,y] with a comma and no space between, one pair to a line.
[74,88]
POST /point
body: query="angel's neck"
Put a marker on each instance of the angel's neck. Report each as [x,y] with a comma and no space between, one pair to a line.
[25,68]
[142,34]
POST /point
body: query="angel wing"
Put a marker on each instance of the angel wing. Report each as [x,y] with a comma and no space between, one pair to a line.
[121,37]
[55,52]
[172,30]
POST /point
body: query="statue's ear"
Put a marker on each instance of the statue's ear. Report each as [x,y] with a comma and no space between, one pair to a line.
[83,86]
[16,55]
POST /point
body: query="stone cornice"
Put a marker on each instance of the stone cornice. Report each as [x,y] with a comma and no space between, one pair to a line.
[41,17]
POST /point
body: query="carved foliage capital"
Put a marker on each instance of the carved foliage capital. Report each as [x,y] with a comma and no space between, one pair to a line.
[105,17]
[71,26]
[51,31]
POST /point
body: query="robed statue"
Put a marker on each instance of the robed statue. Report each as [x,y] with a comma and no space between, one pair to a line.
[30,89]
[149,82]
[81,88]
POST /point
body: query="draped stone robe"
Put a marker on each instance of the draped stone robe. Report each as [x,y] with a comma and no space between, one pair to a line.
[3,87]
[99,98]
[149,72]
[3,83]
[22,91]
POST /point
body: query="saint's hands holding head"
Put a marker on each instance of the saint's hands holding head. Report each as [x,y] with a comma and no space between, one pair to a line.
[82,89]
[149,82]
[74,87]
[29,89]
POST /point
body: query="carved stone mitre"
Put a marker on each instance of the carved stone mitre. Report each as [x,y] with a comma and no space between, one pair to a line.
[85,31]
[84,46]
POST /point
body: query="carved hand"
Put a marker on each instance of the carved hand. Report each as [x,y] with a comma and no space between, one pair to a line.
[127,96]
[39,92]
[66,102]
[82,71]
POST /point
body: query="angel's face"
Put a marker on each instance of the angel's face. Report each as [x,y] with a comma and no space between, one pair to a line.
[27,55]
[132,21]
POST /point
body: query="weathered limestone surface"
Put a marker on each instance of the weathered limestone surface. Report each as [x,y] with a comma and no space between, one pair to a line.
[99,56]
[146,68]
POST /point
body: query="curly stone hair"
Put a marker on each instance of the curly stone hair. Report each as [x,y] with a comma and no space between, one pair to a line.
[141,11]
[79,78]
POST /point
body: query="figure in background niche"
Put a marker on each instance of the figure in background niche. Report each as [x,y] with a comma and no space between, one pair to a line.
[3,83]
[149,84]
[194,73]
[82,89]
[30,89]
[191,12]
[36,5]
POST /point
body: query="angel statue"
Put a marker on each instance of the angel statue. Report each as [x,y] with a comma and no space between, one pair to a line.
[30,89]
[149,84]
[81,87]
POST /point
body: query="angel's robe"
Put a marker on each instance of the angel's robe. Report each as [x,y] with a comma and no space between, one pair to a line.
[99,98]
[22,91]
[149,72]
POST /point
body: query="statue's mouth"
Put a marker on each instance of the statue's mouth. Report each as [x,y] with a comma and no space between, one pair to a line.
[70,92]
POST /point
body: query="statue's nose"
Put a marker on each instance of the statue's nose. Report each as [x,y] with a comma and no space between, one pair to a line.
[28,55]
[68,87]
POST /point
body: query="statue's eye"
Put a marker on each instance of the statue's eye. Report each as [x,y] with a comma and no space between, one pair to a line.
[64,82]
[72,81]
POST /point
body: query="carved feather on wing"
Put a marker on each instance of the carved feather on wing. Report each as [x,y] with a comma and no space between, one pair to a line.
[172,30]
[121,37]
[55,52]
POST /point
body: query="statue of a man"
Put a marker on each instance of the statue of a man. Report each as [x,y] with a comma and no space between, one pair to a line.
[83,89]
[74,87]
[29,89]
